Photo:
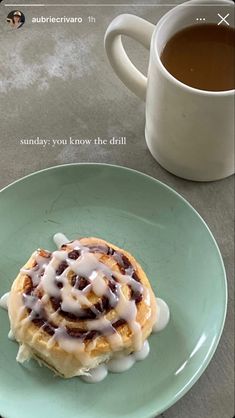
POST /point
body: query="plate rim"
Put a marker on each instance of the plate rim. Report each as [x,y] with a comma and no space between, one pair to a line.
[203,366]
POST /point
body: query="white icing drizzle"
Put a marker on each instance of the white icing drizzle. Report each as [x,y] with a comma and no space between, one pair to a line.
[118,364]
[96,375]
[11,335]
[143,353]
[23,354]
[163,315]
[60,239]
[4,301]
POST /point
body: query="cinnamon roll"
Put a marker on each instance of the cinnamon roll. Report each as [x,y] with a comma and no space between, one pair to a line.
[79,306]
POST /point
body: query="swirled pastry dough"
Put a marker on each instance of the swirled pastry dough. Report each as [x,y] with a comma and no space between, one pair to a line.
[77,307]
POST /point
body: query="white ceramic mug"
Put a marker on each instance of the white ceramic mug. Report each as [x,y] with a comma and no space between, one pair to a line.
[190,132]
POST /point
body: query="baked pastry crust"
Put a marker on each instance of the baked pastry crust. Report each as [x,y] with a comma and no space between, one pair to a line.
[116,306]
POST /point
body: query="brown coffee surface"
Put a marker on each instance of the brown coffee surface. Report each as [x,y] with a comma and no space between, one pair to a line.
[202,56]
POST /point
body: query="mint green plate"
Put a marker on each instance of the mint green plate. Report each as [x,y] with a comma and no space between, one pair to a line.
[178,253]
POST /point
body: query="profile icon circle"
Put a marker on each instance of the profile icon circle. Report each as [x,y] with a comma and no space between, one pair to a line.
[16,19]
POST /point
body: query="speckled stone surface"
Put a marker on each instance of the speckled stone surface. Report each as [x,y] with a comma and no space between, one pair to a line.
[56,83]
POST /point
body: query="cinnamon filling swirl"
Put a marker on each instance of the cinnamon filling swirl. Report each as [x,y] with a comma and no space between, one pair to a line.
[93,286]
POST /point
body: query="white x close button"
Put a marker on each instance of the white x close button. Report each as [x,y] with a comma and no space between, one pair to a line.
[223,19]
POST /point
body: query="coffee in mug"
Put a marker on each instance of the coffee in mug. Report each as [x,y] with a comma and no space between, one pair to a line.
[202,56]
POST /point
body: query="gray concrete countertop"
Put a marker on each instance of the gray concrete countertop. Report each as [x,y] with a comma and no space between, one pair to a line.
[55,82]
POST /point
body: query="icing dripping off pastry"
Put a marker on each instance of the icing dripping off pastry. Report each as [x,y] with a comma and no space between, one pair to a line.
[60,239]
[163,315]
[4,301]
[118,364]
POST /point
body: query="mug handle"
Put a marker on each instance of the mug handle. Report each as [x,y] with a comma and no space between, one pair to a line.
[138,29]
